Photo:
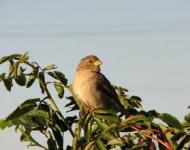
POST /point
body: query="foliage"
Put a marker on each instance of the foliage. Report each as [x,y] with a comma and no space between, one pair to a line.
[100,129]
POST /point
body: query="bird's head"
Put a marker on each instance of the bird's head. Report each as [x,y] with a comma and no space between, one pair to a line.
[90,62]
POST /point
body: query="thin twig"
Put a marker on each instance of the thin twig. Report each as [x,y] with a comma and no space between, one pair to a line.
[165,144]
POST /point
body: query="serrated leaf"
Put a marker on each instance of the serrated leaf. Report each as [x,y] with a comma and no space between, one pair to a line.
[8,83]
[170,120]
[60,90]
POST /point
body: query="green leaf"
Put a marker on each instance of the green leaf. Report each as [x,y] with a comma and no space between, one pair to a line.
[108,135]
[41,81]
[59,139]
[37,118]
[89,145]
[170,120]
[107,116]
[59,76]
[59,123]
[22,109]
[6,58]
[73,105]
[103,111]
[51,144]
[21,80]
[25,56]
[3,123]
[2,76]
[87,125]
[60,90]
[75,143]
[133,119]
[32,77]
[178,135]
[11,67]
[8,83]
[141,146]
[30,81]
[15,68]
[187,117]
[115,141]
[121,140]
[49,67]
[101,125]
[136,98]
[52,75]
[183,142]
[100,145]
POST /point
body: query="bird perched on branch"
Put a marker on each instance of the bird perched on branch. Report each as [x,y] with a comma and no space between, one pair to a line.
[92,88]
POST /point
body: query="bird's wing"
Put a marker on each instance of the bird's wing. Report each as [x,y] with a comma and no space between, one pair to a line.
[105,86]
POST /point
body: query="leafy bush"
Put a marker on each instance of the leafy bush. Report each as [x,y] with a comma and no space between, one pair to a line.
[100,129]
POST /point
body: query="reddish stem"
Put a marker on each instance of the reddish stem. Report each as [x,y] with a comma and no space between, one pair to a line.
[165,144]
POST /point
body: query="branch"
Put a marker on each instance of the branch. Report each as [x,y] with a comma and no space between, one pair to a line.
[52,102]
[165,144]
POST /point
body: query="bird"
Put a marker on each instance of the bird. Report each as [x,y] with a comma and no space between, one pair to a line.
[92,88]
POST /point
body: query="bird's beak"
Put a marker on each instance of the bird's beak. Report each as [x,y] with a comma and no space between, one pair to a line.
[98,63]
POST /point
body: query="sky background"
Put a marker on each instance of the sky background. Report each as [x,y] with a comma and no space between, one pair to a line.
[145,47]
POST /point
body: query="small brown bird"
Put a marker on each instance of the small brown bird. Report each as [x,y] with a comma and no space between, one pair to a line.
[92,88]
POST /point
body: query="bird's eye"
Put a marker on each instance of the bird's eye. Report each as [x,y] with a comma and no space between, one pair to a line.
[90,61]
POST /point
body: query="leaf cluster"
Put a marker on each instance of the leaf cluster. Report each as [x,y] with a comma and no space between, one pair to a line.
[101,129]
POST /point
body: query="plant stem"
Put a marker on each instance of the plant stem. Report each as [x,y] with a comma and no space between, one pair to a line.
[165,144]
[31,139]
[51,101]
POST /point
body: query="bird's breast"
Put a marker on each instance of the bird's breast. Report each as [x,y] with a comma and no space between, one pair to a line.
[84,87]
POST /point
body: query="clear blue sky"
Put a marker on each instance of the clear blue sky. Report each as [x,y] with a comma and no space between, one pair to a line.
[145,47]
